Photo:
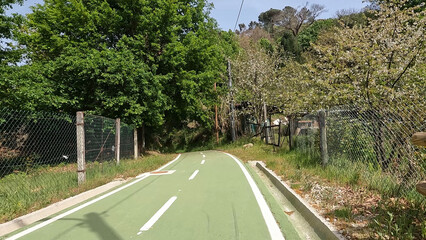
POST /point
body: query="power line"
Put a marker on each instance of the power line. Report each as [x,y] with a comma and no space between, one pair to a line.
[238,18]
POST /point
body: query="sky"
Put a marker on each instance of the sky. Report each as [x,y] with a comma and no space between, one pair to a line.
[226,11]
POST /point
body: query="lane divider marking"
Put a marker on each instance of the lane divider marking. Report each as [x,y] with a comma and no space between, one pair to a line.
[161,168]
[193,175]
[157,215]
[159,173]
[54,219]
[273,228]
[202,162]
[204,156]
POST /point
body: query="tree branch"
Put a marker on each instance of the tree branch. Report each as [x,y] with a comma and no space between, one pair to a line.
[405,69]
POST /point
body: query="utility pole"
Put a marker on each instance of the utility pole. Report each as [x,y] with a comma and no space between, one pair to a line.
[232,103]
[215,118]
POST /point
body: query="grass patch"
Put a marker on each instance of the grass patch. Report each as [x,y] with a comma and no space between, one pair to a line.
[345,213]
[22,193]
[400,219]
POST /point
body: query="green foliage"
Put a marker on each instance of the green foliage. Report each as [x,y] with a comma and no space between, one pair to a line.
[148,62]
[290,45]
[310,34]
[344,212]
[7,25]
[266,45]
[400,220]
[269,18]
[375,63]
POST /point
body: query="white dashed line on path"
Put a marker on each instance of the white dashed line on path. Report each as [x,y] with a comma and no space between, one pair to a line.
[193,175]
[157,215]
[202,162]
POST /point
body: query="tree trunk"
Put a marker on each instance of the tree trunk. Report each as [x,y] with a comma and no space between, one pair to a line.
[141,139]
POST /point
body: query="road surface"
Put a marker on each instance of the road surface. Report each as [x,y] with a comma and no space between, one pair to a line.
[199,195]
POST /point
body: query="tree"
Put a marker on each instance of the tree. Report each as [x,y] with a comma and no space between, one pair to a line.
[310,34]
[379,67]
[290,18]
[351,18]
[375,62]
[20,87]
[7,23]
[256,76]
[144,61]
[269,18]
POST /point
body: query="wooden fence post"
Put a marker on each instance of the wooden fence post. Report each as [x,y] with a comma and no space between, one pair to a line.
[291,124]
[117,140]
[81,161]
[135,143]
[323,137]
[419,139]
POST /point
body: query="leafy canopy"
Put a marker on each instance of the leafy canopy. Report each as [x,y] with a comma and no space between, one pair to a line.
[148,62]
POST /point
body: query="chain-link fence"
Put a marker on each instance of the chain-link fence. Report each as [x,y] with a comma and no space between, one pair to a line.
[374,142]
[38,156]
[30,140]
[99,135]
[127,141]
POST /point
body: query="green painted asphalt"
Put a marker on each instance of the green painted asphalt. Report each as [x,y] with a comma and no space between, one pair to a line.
[218,203]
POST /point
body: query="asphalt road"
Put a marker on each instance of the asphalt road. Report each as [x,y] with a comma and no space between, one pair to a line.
[199,195]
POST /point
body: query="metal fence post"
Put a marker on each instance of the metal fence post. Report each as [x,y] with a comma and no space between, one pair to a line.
[117,140]
[135,143]
[323,137]
[81,161]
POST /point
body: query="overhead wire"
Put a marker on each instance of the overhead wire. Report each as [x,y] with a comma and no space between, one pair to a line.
[239,12]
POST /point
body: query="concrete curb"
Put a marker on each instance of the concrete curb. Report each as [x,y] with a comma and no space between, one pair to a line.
[324,229]
[15,224]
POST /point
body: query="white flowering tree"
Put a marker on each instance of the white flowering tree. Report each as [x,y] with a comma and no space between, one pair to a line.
[377,62]
[255,75]
[379,66]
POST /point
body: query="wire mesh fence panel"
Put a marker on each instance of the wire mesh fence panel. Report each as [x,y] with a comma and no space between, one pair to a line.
[306,135]
[99,138]
[377,142]
[37,157]
[126,141]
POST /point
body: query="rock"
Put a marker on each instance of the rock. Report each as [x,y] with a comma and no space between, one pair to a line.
[248,145]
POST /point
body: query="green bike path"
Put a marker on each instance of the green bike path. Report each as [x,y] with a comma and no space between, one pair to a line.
[210,195]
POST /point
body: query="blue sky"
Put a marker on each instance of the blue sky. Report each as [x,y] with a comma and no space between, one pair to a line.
[226,11]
